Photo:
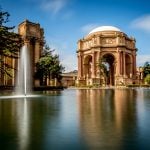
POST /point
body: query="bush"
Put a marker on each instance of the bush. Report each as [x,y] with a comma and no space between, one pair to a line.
[147,79]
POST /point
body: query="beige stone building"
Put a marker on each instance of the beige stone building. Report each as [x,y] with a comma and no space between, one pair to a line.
[69,78]
[33,37]
[111,48]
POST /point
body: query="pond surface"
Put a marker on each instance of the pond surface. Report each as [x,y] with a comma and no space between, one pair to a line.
[102,119]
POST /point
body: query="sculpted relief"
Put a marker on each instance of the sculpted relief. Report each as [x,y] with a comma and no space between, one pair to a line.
[108,41]
[129,44]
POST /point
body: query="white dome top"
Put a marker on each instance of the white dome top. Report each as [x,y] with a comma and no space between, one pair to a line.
[104,28]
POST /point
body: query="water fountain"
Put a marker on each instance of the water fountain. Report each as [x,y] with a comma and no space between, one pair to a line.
[24,79]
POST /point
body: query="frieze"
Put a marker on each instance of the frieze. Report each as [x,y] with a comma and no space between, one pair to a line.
[129,44]
[121,40]
[108,41]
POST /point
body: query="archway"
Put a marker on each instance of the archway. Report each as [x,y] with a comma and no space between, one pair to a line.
[88,66]
[109,66]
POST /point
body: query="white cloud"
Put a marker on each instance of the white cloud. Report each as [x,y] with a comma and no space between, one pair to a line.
[70,62]
[142,23]
[54,6]
[141,59]
[88,27]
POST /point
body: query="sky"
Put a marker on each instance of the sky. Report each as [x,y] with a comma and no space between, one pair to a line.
[66,21]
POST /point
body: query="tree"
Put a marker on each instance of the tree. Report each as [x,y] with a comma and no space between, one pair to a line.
[10,43]
[103,69]
[146,69]
[147,79]
[48,66]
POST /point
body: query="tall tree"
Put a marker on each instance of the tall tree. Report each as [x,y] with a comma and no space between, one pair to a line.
[10,42]
[48,66]
[146,69]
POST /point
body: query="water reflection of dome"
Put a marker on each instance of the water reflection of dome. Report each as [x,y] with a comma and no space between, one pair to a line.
[105,28]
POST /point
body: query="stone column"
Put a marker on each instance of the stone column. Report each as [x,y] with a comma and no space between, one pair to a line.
[124,64]
[121,63]
[93,65]
[37,51]
[131,66]
[134,64]
[80,66]
[97,64]
[118,68]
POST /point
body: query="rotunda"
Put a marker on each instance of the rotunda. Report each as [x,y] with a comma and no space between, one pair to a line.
[106,56]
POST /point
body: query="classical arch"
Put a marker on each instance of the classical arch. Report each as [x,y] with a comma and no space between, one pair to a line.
[109,60]
[87,66]
[115,48]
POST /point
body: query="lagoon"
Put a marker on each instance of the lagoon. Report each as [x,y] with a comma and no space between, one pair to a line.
[77,119]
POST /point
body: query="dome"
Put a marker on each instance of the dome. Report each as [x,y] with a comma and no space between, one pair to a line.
[105,28]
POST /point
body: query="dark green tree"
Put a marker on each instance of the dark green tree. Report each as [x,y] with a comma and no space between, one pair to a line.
[10,43]
[48,66]
[104,72]
[146,69]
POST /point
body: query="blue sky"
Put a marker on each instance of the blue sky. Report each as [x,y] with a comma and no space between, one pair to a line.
[67,21]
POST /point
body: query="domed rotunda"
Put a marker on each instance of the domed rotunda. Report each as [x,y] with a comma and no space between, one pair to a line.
[106,56]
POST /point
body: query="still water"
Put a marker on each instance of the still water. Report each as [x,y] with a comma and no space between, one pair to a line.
[102,119]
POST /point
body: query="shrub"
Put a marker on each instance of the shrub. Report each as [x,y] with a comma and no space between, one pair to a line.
[147,79]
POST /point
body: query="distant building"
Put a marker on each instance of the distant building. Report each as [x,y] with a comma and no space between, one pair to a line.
[69,78]
[106,56]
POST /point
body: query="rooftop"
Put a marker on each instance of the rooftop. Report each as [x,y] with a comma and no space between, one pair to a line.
[105,28]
